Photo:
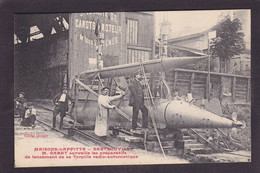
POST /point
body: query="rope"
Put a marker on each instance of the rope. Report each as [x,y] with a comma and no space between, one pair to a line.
[151,112]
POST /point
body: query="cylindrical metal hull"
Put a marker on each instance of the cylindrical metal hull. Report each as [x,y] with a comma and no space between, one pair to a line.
[172,114]
[162,65]
[180,114]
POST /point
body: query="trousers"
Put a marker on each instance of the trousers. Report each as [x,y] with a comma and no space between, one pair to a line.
[28,121]
[144,110]
[59,109]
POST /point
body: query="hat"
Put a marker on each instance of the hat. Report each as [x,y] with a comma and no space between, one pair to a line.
[22,93]
[138,72]
[65,88]
[104,88]
[29,103]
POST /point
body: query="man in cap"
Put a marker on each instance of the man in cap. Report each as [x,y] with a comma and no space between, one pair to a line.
[61,106]
[20,104]
[30,116]
[104,103]
[176,95]
[137,101]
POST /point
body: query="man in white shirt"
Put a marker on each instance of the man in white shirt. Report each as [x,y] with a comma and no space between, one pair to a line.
[61,106]
[101,125]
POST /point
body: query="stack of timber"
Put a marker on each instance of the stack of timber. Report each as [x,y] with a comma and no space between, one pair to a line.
[192,145]
[174,142]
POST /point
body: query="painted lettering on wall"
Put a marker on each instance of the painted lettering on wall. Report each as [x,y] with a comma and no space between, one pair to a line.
[104,27]
[108,24]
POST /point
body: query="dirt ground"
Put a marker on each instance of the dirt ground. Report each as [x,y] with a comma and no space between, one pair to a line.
[232,157]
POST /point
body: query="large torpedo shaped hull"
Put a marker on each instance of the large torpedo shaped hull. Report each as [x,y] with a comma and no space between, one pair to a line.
[180,114]
[169,113]
[161,65]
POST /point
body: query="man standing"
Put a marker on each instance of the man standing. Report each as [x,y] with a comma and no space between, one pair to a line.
[20,104]
[61,106]
[137,100]
[101,125]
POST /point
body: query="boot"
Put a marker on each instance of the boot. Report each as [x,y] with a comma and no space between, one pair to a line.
[54,123]
[61,123]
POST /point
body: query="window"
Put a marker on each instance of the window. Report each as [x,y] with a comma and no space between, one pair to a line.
[135,55]
[132,29]
[35,33]
[16,39]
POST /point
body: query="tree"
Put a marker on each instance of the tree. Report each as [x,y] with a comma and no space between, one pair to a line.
[229,41]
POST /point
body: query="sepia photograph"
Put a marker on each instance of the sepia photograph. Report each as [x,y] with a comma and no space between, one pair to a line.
[132,88]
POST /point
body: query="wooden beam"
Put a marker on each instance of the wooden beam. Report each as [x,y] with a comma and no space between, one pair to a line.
[76,94]
[221,88]
[212,73]
[248,90]
[207,86]
[192,81]
[175,79]
[234,88]
[86,87]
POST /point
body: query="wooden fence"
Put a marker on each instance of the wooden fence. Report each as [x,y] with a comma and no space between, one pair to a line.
[229,87]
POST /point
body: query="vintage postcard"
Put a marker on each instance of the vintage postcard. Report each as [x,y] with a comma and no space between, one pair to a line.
[132,88]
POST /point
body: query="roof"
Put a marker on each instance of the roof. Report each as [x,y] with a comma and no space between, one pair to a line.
[192,50]
[186,37]
[193,35]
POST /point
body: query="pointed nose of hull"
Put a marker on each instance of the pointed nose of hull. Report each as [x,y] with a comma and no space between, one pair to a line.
[180,114]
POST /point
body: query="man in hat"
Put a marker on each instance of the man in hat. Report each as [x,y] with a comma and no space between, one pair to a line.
[30,116]
[61,106]
[20,104]
[104,103]
[176,95]
[137,101]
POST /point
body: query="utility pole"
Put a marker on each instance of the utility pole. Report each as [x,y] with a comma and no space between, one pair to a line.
[211,35]
[208,94]
[99,49]
[164,34]
[100,37]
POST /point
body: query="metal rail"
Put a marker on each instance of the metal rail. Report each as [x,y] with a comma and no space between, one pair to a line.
[93,138]
[46,124]
[88,136]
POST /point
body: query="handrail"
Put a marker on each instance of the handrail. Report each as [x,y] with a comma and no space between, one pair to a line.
[212,73]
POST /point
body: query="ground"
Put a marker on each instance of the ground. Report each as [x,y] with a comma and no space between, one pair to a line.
[232,157]
[29,142]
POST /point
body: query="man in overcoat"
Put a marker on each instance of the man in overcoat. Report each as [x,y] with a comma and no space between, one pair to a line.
[137,100]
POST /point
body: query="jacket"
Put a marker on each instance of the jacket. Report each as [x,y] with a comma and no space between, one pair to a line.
[21,103]
[57,97]
[136,92]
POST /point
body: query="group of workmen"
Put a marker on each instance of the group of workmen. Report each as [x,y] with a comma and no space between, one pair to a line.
[104,103]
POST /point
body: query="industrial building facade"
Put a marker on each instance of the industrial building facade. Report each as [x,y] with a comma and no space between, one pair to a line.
[44,65]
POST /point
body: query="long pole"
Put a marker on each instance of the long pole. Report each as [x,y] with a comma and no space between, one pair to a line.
[149,93]
[98,61]
[208,68]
